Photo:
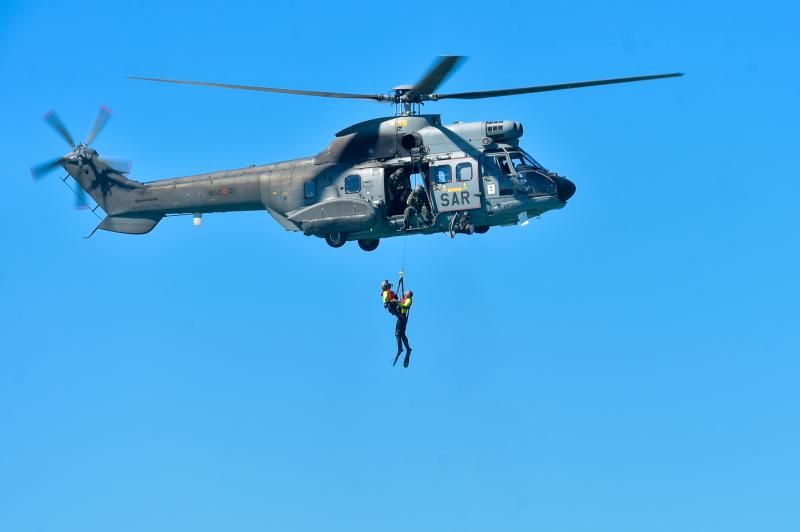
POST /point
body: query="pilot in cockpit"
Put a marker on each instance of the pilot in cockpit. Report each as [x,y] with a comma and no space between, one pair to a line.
[504,166]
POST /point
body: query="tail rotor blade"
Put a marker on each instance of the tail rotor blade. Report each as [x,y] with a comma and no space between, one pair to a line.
[99,123]
[56,123]
[41,170]
[122,166]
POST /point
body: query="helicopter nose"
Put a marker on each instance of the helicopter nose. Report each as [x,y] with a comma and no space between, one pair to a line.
[566,188]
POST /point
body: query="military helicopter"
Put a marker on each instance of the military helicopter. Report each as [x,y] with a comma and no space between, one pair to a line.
[469,176]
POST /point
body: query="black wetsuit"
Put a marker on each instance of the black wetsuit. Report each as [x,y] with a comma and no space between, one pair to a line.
[402,339]
[400,332]
[403,308]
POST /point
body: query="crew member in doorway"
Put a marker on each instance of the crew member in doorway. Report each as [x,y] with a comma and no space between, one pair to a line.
[389,298]
[404,307]
[398,185]
[417,203]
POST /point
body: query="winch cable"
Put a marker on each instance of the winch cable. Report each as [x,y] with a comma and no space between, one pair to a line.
[400,285]
[401,282]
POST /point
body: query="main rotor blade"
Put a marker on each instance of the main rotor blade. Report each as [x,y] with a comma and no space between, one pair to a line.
[41,170]
[545,88]
[435,76]
[99,123]
[324,94]
[56,123]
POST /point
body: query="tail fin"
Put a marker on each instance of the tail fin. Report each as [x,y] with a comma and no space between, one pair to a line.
[109,187]
[103,180]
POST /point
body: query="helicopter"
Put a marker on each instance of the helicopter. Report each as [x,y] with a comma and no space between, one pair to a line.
[469,176]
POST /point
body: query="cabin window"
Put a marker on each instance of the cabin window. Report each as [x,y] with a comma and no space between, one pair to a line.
[310,189]
[464,172]
[352,184]
[442,174]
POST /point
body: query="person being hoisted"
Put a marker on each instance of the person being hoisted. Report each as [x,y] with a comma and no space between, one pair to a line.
[389,298]
[404,308]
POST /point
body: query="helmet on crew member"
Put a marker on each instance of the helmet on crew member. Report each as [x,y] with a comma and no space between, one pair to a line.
[419,189]
[385,285]
[408,293]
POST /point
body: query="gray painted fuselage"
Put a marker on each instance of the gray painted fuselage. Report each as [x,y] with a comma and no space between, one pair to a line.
[344,188]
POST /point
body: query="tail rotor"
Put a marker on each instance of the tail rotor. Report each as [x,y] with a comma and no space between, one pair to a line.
[79,152]
[103,115]
[41,170]
[56,123]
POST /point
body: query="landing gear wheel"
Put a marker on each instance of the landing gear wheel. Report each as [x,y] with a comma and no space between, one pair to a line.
[369,245]
[336,240]
[480,229]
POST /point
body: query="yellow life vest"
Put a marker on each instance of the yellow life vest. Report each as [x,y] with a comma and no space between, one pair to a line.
[405,305]
[387,296]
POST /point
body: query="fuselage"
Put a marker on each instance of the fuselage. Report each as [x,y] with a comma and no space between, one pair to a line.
[474,171]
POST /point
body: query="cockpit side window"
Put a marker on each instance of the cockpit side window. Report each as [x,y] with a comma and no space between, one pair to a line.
[493,167]
[517,160]
[506,185]
[502,163]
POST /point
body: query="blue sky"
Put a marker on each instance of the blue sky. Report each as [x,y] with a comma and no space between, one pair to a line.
[627,363]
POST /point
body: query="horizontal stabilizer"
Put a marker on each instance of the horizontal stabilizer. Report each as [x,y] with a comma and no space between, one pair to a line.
[132,225]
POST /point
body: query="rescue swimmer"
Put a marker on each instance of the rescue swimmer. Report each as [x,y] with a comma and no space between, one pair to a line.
[400,309]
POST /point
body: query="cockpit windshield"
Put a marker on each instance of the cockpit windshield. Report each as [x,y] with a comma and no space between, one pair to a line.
[518,173]
[534,183]
[520,160]
[531,176]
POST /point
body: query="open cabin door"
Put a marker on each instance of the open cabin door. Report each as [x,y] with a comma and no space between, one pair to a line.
[455,185]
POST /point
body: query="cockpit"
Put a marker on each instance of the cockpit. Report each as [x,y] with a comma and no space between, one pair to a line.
[518,172]
[520,159]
